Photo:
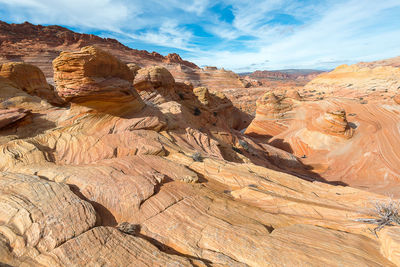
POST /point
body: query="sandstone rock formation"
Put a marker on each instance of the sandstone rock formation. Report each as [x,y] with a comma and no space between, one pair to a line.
[40,45]
[333,122]
[30,79]
[8,116]
[152,78]
[340,139]
[171,163]
[92,75]
[269,108]
[365,82]
[134,68]
[396,98]
[175,58]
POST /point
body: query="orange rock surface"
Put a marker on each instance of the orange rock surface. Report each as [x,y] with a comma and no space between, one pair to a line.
[162,176]
[9,116]
[30,79]
[342,138]
[373,82]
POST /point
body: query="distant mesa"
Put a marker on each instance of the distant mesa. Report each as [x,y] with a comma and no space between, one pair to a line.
[210,68]
[291,74]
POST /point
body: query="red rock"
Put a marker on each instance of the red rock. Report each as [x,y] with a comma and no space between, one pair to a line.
[40,45]
[334,123]
[175,58]
[30,79]
[282,75]
[92,76]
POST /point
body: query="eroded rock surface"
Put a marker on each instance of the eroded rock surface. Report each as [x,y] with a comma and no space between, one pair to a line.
[170,163]
[344,128]
[30,79]
[8,116]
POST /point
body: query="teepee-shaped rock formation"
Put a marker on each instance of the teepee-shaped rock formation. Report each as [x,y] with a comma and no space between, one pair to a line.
[333,122]
[273,106]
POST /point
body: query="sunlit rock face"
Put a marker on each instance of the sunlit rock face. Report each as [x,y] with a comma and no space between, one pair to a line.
[148,171]
[95,78]
[9,116]
[332,122]
[152,78]
[30,79]
[366,82]
[354,121]
[396,98]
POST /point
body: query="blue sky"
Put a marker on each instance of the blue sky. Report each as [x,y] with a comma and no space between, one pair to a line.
[235,34]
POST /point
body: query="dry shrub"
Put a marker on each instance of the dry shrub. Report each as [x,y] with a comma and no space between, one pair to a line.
[386,213]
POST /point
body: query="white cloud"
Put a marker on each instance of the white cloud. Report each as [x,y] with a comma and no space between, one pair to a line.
[330,32]
[169,34]
[99,14]
[346,32]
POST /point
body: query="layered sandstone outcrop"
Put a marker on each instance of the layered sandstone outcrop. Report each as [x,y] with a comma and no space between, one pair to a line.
[332,122]
[134,68]
[30,79]
[40,45]
[328,135]
[274,106]
[152,78]
[365,82]
[168,180]
[93,77]
[9,116]
[271,107]
[175,58]
[396,98]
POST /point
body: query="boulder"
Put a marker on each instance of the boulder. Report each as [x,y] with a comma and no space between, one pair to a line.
[273,106]
[30,79]
[134,68]
[153,78]
[94,77]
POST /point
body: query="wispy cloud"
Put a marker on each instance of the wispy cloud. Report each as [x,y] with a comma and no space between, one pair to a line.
[169,34]
[104,14]
[235,34]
